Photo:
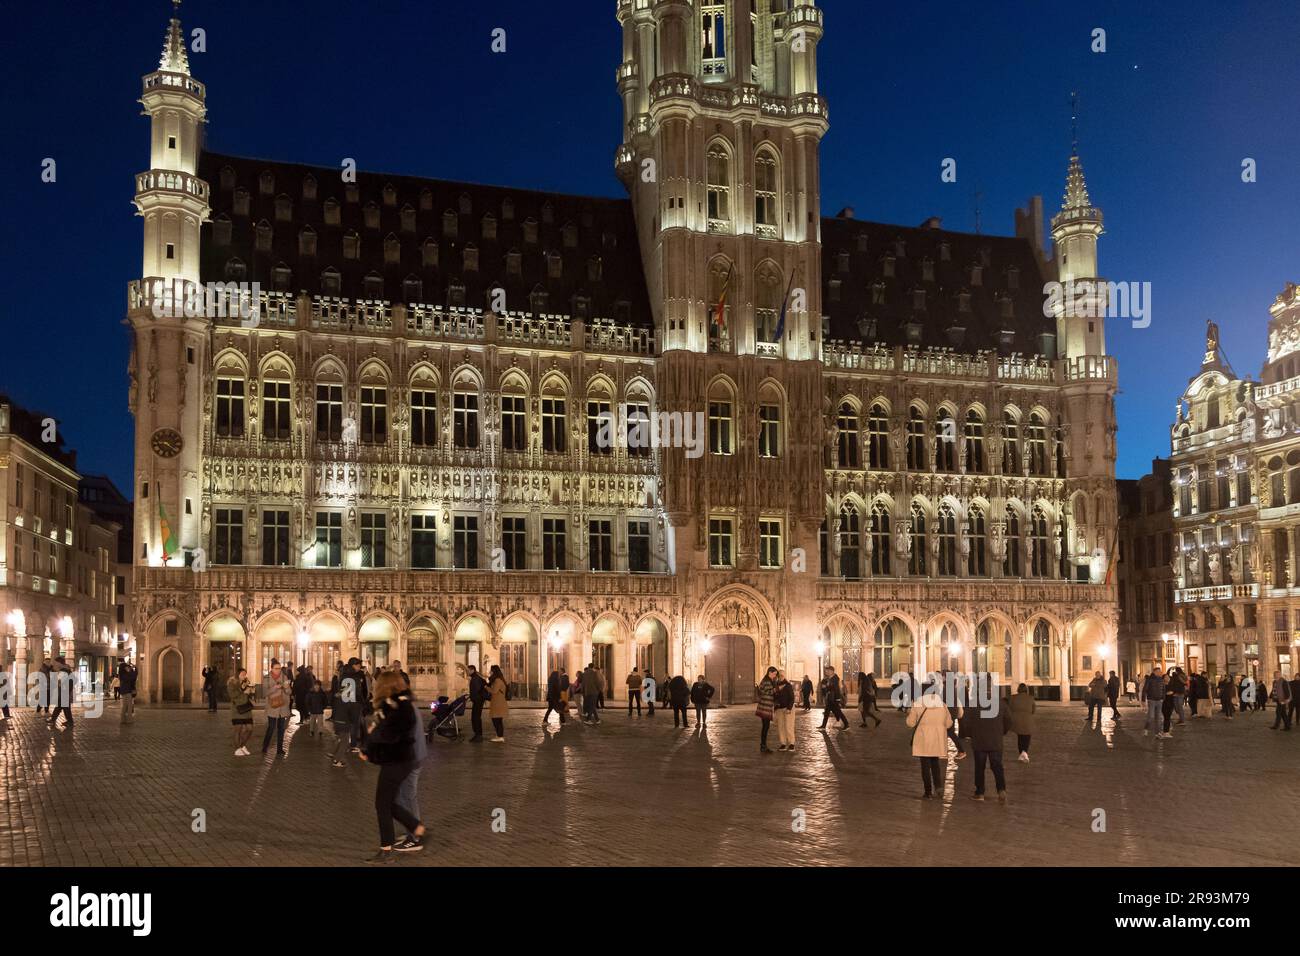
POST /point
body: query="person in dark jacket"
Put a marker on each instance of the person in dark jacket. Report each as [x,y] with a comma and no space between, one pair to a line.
[302,685]
[832,699]
[1112,695]
[1153,698]
[679,692]
[783,704]
[345,717]
[806,689]
[477,698]
[553,700]
[766,707]
[391,745]
[1227,695]
[701,693]
[1282,699]
[867,706]
[210,688]
[315,703]
[987,726]
[127,675]
[1294,707]
[1096,695]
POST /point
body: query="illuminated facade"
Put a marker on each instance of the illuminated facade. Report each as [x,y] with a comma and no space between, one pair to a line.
[904,464]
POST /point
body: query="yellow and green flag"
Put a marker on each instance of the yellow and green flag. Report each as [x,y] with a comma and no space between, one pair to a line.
[168,536]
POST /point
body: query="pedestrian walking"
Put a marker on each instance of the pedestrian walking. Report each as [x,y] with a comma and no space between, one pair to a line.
[276,690]
[931,722]
[957,711]
[115,685]
[806,690]
[391,746]
[302,685]
[634,682]
[345,714]
[126,677]
[1281,694]
[1096,695]
[988,724]
[1177,691]
[1153,697]
[210,688]
[43,687]
[1194,694]
[831,699]
[1227,695]
[315,702]
[648,689]
[575,695]
[593,687]
[783,709]
[1020,708]
[1131,690]
[701,694]
[6,691]
[477,698]
[1294,708]
[679,692]
[868,706]
[764,711]
[500,703]
[240,692]
[408,794]
[554,699]
[1172,680]
[63,692]
[1112,695]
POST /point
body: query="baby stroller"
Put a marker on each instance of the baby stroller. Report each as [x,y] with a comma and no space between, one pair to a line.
[445,712]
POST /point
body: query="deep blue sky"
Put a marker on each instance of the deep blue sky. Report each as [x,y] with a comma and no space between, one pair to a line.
[1185,91]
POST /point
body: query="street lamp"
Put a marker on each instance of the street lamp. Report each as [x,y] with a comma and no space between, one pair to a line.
[1102,650]
[820,648]
[304,641]
[706,645]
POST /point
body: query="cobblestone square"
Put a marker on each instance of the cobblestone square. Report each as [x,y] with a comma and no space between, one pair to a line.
[636,791]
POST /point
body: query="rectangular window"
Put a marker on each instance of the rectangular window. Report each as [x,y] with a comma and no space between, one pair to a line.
[720,428]
[230,408]
[600,545]
[553,425]
[374,539]
[275,538]
[514,542]
[465,542]
[600,428]
[424,541]
[374,415]
[424,418]
[638,546]
[769,543]
[329,412]
[228,541]
[329,539]
[638,430]
[465,419]
[720,543]
[275,411]
[554,545]
[514,430]
[769,431]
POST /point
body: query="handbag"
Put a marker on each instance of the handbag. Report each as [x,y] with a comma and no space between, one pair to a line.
[912,739]
[245,708]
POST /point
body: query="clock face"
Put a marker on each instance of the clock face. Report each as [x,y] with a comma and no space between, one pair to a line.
[167,443]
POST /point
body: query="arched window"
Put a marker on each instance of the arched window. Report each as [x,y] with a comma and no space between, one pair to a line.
[1040,649]
[1036,439]
[846,426]
[892,650]
[329,405]
[992,650]
[424,410]
[974,443]
[880,539]
[718,162]
[769,423]
[878,438]
[514,416]
[554,417]
[945,441]
[850,542]
[230,401]
[1011,563]
[767,309]
[1059,435]
[637,401]
[1038,544]
[1011,464]
[600,421]
[721,421]
[766,195]
[465,412]
[916,564]
[374,406]
[946,529]
[977,541]
[720,291]
[916,440]
[276,405]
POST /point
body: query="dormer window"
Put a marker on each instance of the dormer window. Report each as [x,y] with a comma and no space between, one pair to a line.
[538,299]
[878,293]
[548,213]
[449,224]
[593,269]
[221,230]
[392,250]
[862,242]
[283,208]
[307,241]
[466,206]
[351,193]
[351,245]
[842,261]
[373,285]
[900,248]
[282,277]
[508,209]
[330,281]
[262,236]
[569,235]
[408,218]
[489,227]
[390,195]
[887,267]
[833,290]
[1007,306]
[227,179]
[1013,278]
[554,265]
[332,217]
[945,251]
[963,301]
[309,188]
[235,269]
[412,289]
[371,216]
[456,294]
[426,199]
[241,202]
[429,253]
[918,300]
[471,258]
[927,270]
[976,275]
[266,183]
[530,231]
[514,262]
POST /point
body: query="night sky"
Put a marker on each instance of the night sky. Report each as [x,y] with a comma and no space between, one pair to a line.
[1184,92]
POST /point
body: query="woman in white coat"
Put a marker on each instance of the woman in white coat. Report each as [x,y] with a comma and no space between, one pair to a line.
[931,720]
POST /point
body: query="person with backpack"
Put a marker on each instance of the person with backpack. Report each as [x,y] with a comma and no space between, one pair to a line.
[500,703]
[391,746]
[478,696]
[766,696]
[277,691]
[930,723]
[701,692]
[679,692]
[240,692]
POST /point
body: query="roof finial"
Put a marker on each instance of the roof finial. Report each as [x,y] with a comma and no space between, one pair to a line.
[1074,121]
[174,57]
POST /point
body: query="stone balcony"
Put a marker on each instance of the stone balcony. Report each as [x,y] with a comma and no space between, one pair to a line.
[1216,593]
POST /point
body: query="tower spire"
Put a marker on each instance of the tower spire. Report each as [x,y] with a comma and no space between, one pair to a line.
[174,57]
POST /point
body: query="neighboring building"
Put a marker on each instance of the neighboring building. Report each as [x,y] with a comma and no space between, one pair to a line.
[99,494]
[1147,626]
[57,587]
[904,463]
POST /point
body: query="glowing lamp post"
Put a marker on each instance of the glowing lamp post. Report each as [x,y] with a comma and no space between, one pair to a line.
[820,648]
[556,644]
[1102,650]
[706,645]
[304,641]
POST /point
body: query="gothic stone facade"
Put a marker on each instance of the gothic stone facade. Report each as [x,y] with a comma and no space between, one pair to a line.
[905,464]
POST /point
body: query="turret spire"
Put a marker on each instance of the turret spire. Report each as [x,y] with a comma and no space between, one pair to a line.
[174,58]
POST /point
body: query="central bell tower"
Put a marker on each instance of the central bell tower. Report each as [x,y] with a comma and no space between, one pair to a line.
[723,123]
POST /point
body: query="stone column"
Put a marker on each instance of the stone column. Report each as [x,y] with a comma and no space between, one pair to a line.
[19,670]
[1065,646]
